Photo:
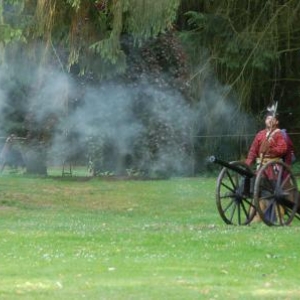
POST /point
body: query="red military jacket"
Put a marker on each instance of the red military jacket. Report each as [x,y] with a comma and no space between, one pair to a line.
[277,148]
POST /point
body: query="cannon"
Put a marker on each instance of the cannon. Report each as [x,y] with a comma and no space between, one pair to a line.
[270,192]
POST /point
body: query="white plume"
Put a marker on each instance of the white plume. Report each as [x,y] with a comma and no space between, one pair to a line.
[273,107]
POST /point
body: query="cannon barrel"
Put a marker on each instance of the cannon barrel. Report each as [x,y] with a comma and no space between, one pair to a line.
[239,169]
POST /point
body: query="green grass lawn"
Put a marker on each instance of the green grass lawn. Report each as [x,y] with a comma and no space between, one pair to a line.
[117,239]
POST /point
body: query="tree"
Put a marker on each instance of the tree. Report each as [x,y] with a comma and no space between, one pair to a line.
[89,32]
[253,49]
[252,45]
[84,38]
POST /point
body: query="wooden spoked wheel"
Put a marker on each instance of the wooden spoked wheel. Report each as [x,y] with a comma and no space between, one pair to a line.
[234,197]
[276,194]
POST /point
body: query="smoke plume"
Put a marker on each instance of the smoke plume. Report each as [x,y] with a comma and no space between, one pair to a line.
[118,127]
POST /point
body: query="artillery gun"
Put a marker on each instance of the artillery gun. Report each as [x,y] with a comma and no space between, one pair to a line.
[271,192]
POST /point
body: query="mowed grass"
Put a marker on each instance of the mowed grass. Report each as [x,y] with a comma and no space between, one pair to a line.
[118,239]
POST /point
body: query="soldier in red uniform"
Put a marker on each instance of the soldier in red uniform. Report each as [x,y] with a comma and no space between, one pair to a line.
[269,144]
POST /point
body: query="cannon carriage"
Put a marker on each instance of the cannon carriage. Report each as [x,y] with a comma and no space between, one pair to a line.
[270,192]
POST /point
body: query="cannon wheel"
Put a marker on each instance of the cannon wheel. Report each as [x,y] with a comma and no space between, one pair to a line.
[233,197]
[276,194]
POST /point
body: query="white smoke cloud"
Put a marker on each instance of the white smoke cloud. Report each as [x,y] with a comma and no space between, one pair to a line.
[126,116]
[50,93]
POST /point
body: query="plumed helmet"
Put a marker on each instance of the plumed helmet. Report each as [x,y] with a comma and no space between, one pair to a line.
[272,111]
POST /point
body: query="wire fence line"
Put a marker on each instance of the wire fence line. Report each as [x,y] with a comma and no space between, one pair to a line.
[197,136]
[236,135]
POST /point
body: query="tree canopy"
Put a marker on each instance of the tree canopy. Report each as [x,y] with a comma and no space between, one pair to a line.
[248,51]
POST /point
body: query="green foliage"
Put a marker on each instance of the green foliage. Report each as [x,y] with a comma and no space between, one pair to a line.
[10,29]
[162,55]
[9,34]
[146,19]
[229,48]
[74,3]
[109,49]
[90,31]
[251,46]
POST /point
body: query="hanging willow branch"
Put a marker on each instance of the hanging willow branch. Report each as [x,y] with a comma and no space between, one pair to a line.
[95,27]
[109,48]
[44,17]
[147,18]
